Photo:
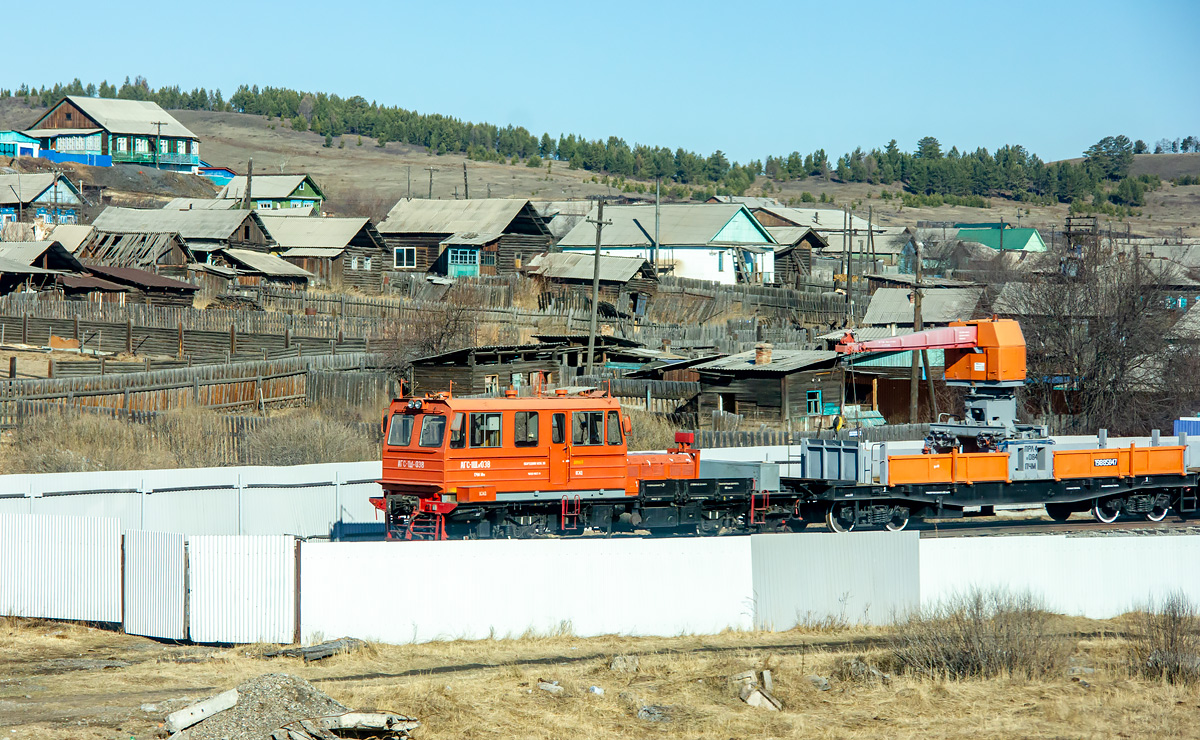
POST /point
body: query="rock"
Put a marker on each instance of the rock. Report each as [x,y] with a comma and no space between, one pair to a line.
[624,664]
[150,708]
[768,682]
[596,690]
[820,683]
[551,688]
[762,700]
[655,713]
[1078,670]
[745,678]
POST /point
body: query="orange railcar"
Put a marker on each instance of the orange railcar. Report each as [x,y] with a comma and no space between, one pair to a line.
[951,467]
[1119,462]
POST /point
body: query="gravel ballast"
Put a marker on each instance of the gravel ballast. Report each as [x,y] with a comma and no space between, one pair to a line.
[264,703]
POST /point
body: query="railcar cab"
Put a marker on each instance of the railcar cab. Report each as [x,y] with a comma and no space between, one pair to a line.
[498,449]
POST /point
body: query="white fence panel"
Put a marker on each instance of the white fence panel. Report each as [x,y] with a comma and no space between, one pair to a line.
[243,588]
[863,578]
[1096,577]
[477,589]
[60,567]
[191,512]
[155,584]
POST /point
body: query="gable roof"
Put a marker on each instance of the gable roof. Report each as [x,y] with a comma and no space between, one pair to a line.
[328,233]
[490,215]
[71,236]
[746,200]
[26,253]
[138,117]
[201,224]
[782,361]
[581,266]
[138,249]
[938,305]
[1028,240]
[791,235]
[267,186]
[29,187]
[818,219]
[267,264]
[680,224]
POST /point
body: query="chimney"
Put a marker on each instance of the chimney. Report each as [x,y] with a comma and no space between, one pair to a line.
[762,353]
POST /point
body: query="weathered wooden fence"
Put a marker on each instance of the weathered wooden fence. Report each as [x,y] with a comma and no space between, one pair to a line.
[238,385]
[360,389]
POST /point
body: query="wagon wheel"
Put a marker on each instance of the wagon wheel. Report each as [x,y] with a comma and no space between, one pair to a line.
[834,522]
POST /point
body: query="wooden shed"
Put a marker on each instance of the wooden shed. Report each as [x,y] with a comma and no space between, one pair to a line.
[159,253]
[772,385]
[628,283]
[491,369]
[415,230]
[793,256]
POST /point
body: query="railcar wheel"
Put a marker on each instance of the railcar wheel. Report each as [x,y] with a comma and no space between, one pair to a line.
[1103,513]
[1158,513]
[898,522]
[1058,512]
[834,522]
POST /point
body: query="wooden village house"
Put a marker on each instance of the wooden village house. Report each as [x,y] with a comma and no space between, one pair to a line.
[419,232]
[793,256]
[40,196]
[627,283]
[492,369]
[339,252]
[275,192]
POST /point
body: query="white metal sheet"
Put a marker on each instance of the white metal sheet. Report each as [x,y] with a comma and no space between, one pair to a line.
[477,589]
[859,578]
[242,588]
[1096,577]
[60,567]
[155,584]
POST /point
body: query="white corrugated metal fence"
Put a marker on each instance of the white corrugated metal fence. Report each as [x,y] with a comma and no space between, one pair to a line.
[155,585]
[242,588]
[60,567]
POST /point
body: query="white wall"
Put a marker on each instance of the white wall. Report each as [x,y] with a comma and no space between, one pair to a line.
[418,591]
[243,589]
[1096,577]
[60,567]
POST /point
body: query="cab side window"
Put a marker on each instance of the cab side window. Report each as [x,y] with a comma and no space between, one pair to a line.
[433,430]
[588,428]
[558,428]
[458,431]
[525,429]
[614,428]
[485,430]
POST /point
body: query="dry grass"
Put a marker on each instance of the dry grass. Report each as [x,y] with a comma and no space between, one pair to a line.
[650,431]
[1164,642]
[483,689]
[303,438]
[60,444]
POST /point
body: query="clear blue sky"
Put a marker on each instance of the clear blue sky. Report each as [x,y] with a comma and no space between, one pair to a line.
[752,78]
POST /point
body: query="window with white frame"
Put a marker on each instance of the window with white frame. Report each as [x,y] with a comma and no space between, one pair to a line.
[354,262]
[405,258]
[141,146]
[162,146]
[367,264]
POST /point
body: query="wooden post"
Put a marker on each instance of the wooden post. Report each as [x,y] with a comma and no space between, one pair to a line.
[24,328]
[50,368]
[874,394]
[102,364]
[76,337]
[287,337]
[180,353]
[232,339]
[129,336]
[12,366]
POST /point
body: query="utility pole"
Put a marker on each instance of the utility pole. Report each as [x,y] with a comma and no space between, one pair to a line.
[249,183]
[915,377]
[846,242]
[600,224]
[431,170]
[466,188]
[157,141]
[657,199]
[409,182]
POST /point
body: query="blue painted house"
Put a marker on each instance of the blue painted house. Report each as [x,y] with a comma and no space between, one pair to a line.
[17,144]
[40,196]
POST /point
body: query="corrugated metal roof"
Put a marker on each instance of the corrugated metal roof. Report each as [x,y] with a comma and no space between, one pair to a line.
[938,305]
[679,225]
[264,186]
[818,219]
[267,264]
[782,361]
[452,216]
[470,239]
[329,233]
[91,282]
[1028,240]
[129,117]
[51,132]
[866,333]
[206,204]
[582,266]
[195,224]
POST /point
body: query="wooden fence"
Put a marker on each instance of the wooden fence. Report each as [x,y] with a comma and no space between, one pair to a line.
[237,385]
[361,389]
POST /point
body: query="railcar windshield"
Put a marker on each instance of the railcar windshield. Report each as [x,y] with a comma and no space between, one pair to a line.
[400,431]
[433,430]
[588,428]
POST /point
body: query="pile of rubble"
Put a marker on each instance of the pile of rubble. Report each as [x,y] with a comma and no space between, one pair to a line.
[276,706]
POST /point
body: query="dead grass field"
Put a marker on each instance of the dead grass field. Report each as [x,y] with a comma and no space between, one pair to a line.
[69,681]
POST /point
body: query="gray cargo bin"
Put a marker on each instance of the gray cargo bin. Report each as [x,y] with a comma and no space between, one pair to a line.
[766,474]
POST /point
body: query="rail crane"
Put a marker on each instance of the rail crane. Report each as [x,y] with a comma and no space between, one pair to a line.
[559,464]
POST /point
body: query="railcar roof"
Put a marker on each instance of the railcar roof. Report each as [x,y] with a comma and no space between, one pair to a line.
[548,402]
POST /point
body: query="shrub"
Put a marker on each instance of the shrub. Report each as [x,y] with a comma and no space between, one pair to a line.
[533,161]
[980,635]
[304,438]
[650,431]
[1164,642]
[64,443]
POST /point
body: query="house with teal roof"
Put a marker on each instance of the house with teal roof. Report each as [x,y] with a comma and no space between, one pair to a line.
[1016,240]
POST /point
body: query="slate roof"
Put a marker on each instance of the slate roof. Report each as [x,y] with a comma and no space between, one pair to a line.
[71,236]
[125,117]
[454,216]
[680,224]
[818,219]
[267,264]
[30,186]
[327,233]
[196,224]
[782,361]
[790,235]
[581,266]
[26,253]
[938,305]
[207,204]
[470,239]
[265,186]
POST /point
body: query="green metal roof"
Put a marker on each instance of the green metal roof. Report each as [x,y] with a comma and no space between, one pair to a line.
[1028,240]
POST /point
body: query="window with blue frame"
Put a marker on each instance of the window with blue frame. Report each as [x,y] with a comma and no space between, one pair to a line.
[720,262]
[813,399]
[464,257]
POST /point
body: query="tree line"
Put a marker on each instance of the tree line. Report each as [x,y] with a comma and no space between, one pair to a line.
[927,173]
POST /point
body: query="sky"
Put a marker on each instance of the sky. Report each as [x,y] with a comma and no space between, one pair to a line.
[750,79]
